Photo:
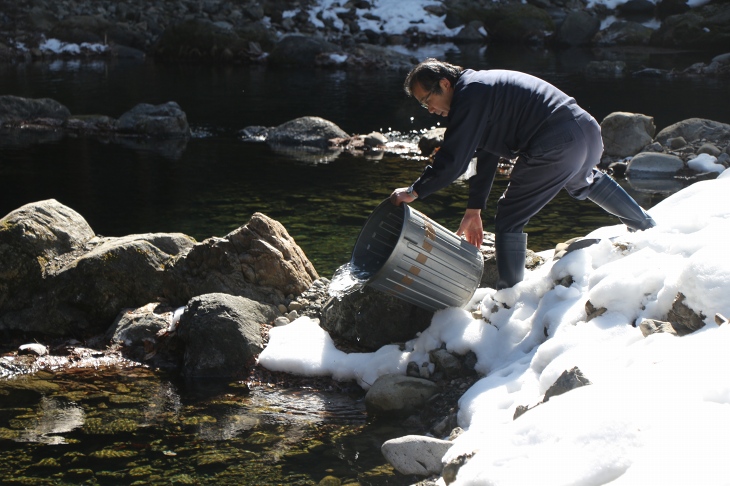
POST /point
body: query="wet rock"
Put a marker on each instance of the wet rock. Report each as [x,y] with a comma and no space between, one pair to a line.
[415,454]
[398,395]
[165,120]
[141,333]
[222,335]
[371,319]
[431,140]
[649,164]
[305,131]
[625,134]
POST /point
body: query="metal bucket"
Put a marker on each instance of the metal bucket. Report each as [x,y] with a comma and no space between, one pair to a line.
[409,256]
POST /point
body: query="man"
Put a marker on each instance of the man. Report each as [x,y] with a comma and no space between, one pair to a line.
[498,113]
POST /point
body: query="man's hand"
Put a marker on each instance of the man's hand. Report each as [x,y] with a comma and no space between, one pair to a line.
[401,195]
[471,227]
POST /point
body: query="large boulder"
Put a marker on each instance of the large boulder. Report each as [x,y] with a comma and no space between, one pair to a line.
[14,109]
[625,134]
[32,238]
[372,319]
[259,260]
[222,335]
[307,131]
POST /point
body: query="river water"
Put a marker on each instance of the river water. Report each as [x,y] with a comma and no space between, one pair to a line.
[118,427]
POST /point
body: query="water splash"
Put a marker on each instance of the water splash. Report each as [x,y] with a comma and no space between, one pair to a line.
[346,280]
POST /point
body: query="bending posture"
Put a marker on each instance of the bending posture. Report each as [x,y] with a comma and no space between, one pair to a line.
[498,113]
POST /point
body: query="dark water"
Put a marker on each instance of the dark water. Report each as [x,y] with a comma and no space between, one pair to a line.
[216,183]
[123,427]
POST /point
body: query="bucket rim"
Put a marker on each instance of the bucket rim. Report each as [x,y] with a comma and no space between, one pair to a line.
[386,264]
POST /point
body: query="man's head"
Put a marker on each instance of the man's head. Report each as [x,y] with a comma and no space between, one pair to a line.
[432,84]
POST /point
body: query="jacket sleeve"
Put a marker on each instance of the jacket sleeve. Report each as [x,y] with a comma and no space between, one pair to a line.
[480,184]
[467,122]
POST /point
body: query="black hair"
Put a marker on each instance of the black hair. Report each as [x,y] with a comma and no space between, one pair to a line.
[428,74]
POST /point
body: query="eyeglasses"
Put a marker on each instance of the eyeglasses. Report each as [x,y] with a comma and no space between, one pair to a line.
[424,101]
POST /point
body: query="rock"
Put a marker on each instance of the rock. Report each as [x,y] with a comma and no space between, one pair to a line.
[676,142]
[166,120]
[710,149]
[259,261]
[198,39]
[372,319]
[446,362]
[32,238]
[57,279]
[653,326]
[305,131]
[473,32]
[515,23]
[222,334]
[684,320]
[416,454]
[624,33]
[398,395]
[300,50]
[625,134]
[693,129]
[705,27]
[577,29]
[15,110]
[568,380]
[649,164]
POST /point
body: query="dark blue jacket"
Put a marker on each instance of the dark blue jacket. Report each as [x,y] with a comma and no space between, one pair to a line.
[493,114]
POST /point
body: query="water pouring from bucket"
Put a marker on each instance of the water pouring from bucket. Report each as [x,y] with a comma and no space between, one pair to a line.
[402,252]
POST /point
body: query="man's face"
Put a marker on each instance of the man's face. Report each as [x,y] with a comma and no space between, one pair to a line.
[438,103]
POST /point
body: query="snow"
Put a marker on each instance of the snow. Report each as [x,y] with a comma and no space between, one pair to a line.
[705,163]
[657,410]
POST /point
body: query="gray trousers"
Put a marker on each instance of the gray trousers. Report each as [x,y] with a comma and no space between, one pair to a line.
[563,154]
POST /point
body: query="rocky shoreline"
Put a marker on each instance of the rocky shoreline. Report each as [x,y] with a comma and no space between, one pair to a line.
[352,34]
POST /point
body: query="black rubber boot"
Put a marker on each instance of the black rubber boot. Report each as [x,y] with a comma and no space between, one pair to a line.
[613,199]
[510,250]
